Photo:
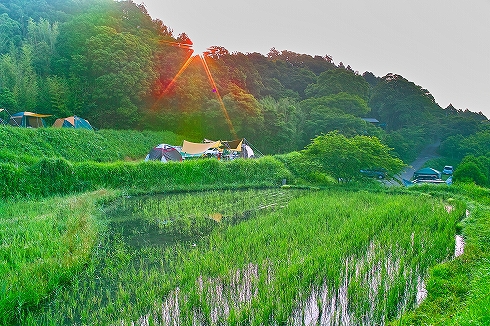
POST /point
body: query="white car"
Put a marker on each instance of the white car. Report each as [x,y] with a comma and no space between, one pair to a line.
[448,169]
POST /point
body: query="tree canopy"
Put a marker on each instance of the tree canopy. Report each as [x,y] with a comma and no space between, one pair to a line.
[110,62]
[343,157]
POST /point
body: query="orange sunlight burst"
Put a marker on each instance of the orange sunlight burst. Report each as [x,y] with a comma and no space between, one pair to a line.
[198,53]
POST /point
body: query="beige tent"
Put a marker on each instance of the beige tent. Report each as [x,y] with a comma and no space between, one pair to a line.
[198,148]
[28,119]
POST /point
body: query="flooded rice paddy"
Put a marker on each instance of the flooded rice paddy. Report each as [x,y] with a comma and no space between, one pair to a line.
[263,257]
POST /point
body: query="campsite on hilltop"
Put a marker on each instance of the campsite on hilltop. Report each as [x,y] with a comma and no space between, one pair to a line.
[145,184]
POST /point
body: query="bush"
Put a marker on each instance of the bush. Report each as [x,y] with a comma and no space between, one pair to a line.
[474,169]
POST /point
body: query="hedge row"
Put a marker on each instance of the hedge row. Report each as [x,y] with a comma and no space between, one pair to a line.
[54,176]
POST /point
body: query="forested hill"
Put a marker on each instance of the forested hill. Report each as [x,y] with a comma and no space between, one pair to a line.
[114,65]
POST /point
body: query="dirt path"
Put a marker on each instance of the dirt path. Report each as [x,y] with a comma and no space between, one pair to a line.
[427,153]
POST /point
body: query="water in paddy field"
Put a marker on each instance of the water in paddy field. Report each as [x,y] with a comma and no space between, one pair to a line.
[172,218]
[147,236]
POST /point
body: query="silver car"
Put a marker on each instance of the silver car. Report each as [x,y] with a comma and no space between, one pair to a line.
[448,169]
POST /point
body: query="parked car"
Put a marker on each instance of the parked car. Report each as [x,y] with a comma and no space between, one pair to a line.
[448,169]
[374,173]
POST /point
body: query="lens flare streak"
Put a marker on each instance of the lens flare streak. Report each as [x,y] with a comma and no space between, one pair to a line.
[215,89]
[182,69]
[208,74]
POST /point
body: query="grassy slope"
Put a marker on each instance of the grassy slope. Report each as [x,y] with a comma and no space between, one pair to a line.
[25,146]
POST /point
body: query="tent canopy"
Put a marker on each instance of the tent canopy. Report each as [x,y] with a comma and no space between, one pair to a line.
[28,119]
[198,148]
[72,122]
[228,148]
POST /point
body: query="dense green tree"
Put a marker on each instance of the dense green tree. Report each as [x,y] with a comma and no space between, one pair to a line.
[41,36]
[407,143]
[120,73]
[458,146]
[344,157]
[18,76]
[339,112]
[279,133]
[244,112]
[323,122]
[340,102]
[473,169]
[10,33]
[338,81]
[7,100]
[371,78]
[400,103]
[56,91]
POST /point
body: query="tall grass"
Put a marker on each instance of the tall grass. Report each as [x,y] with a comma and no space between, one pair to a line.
[43,245]
[328,255]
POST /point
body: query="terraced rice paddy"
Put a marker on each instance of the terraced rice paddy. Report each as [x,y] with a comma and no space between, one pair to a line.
[258,257]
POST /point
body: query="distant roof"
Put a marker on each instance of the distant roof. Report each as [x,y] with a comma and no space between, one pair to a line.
[427,171]
[372,120]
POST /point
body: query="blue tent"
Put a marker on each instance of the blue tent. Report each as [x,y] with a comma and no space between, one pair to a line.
[28,120]
[72,122]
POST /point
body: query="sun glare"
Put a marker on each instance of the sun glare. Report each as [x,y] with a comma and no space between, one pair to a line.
[199,51]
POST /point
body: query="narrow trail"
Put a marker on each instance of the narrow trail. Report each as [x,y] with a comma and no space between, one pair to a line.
[427,153]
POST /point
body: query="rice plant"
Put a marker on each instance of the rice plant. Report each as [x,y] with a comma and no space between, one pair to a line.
[325,257]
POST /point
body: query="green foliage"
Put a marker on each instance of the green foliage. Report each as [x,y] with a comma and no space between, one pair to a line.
[473,169]
[340,112]
[399,103]
[407,143]
[336,81]
[304,171]
[343,157]
[279,132]
[459,146]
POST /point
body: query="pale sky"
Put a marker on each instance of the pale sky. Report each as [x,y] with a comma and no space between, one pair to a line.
[441,45]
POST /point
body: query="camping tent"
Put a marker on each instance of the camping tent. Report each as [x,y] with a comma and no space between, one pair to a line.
[427,173]
[198,148]
[241,146]
[72,122]
[164,153]
[28,120]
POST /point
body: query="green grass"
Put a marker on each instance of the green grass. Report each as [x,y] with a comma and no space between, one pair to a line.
[63,263]
[43,245]
[458,290]
[54,176]
[24,146]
